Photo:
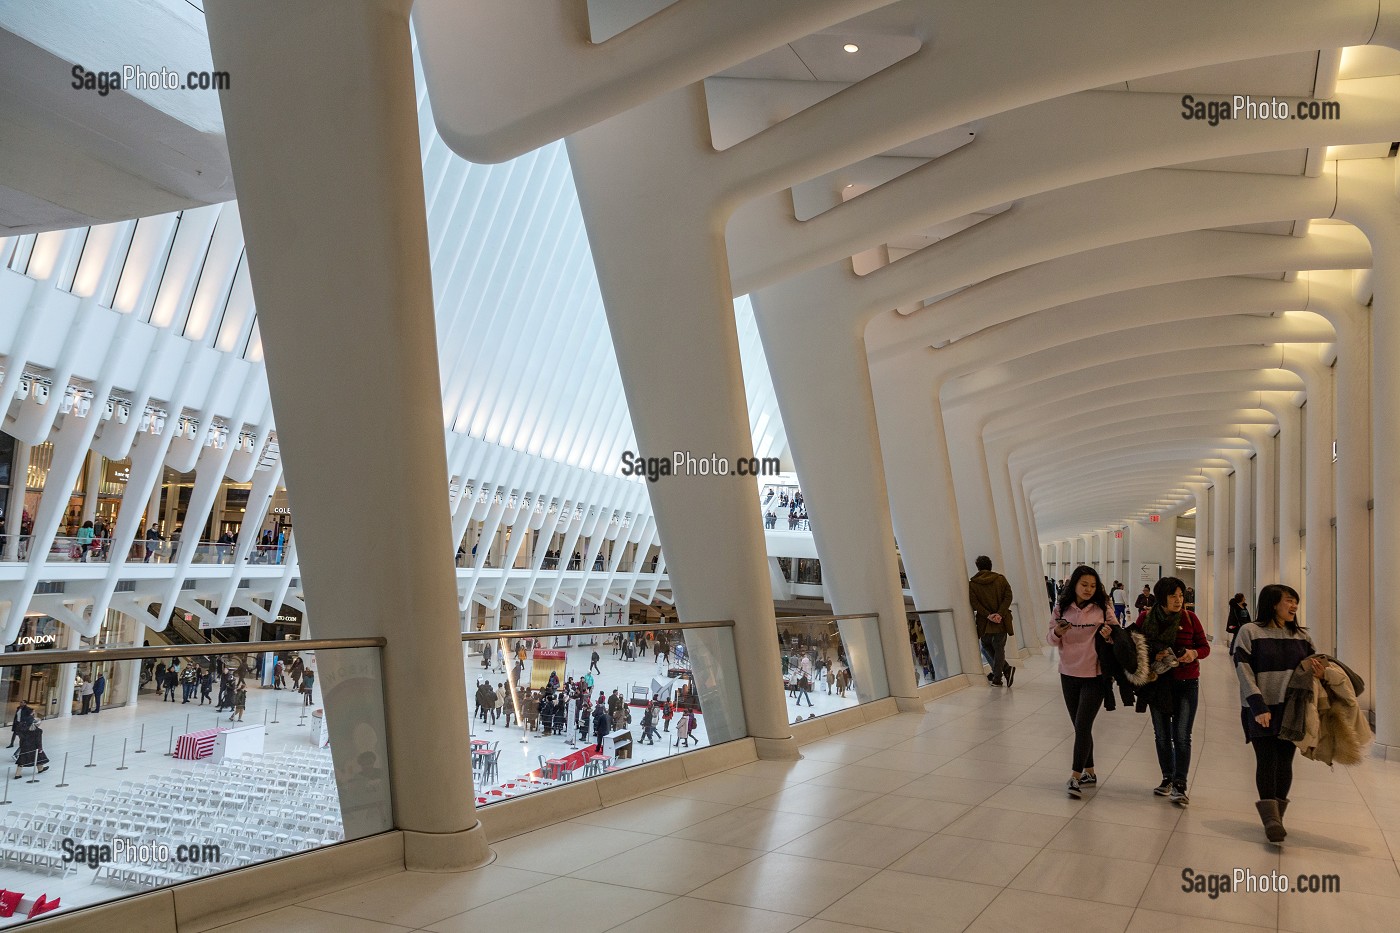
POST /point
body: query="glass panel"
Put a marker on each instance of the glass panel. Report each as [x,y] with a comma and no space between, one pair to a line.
[830,666]
[548,709]
[146,786]
[926,642]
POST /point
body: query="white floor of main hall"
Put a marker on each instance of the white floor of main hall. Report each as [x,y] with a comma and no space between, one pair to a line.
[954,819]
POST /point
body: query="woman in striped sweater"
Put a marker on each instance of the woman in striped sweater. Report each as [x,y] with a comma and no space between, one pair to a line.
[1267,651]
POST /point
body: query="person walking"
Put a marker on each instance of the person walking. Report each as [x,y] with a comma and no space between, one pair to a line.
[1267,651]
[240,700]
[24,715]
[206,686]
[172,678]
[990,595]
[85,546]
[1236,616]
[308,681]
[31,749]
[649,733]
[99,687]
[1082,615]
[1174,637]
[298,667]
[1119,597]
[593,665]
[1144,600]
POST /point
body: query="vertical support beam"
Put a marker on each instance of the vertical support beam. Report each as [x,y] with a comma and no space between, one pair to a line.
[1319,503]
[1219,543]
[330,188]
[1290,495]
[1265,518]
[662,269]
[1244,529]
[14,505]
[822,380]
[923,505]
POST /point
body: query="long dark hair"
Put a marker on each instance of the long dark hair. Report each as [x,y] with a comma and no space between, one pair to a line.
[1266,610]
[1070,593]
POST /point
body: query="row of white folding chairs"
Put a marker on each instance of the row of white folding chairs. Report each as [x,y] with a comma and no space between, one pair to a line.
[35,850]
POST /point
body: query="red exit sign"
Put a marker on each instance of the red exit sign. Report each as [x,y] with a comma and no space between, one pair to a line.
[1118,534]
[1154,518]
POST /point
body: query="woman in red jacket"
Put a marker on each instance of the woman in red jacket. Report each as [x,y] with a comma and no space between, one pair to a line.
[1175,643]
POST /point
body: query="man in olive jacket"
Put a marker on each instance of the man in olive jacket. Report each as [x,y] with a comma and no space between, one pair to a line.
[990,596]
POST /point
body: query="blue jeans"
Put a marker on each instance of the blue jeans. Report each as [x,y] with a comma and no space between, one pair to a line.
[1173,729]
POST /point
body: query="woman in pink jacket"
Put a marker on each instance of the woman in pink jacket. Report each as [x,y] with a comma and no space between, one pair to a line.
[1081,616]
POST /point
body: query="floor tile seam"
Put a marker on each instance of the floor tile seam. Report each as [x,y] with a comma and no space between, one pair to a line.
[331,913]
[544,871]
[999,890]
[1010,886]
[643,913]
[798,917]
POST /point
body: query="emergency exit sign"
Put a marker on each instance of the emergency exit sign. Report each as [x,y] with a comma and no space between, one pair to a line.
[1154,518]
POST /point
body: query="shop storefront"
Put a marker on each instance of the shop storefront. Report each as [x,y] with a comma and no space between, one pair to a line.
[34,684]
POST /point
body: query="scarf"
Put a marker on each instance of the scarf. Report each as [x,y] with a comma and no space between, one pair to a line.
[1161,629]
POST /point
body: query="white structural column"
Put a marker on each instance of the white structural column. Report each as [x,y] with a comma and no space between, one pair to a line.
[1242,569]
[1320,595]
[310,138]
[1290,495]
[1369,195]
[822,381]
[14,506]
[659,252]
[923,506]
[1201,500]
[1220,544]
[1265,516]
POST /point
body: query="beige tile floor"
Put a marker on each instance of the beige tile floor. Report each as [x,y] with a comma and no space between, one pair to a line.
[952,820]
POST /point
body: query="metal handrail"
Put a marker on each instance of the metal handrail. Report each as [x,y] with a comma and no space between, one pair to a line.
[592,630]
[927,612]
[857,615]
[80,655]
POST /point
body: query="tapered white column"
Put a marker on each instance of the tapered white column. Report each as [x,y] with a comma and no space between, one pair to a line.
[327,166]
[1220,544]
[667,297]
[1242,566]
[1290,495]
[1204,588]
[923,506]
[1265,516]
[821,377]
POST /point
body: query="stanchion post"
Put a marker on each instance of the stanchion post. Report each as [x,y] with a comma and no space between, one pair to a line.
[92,754]
[187,722]
[62,775]
[7,788]
[170,749]
[122,766]
[302,720]
[264,722]
[34,775]
[275,704]
[141,745]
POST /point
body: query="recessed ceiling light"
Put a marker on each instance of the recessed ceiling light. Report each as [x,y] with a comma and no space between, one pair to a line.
[851,47]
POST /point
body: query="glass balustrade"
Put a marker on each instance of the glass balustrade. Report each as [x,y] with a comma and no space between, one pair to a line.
[830,663]
[556,705]
[188,769]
